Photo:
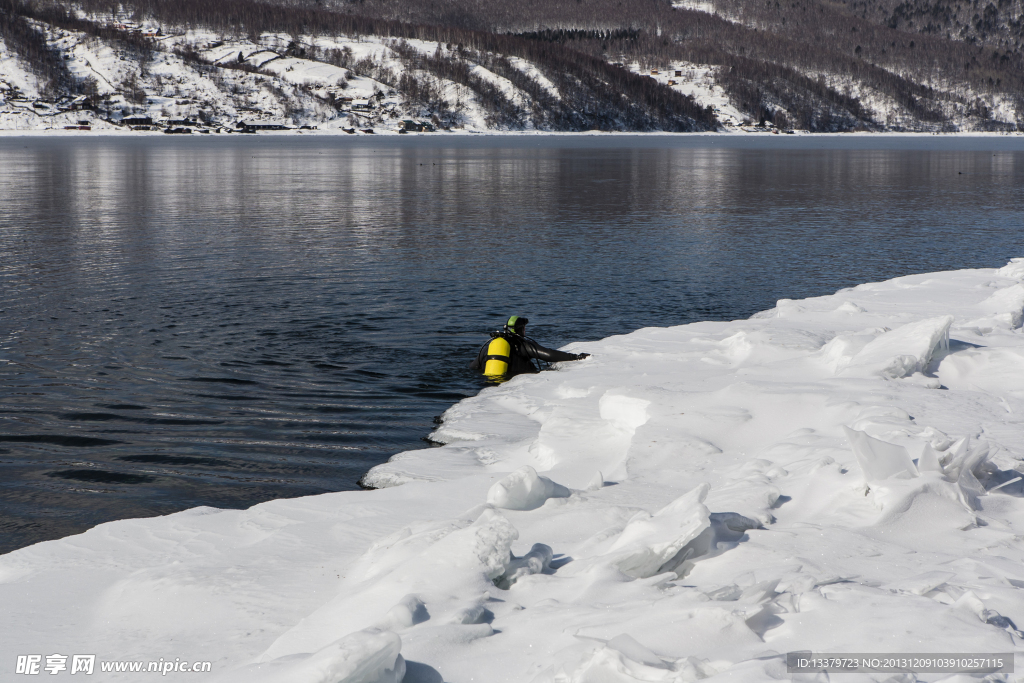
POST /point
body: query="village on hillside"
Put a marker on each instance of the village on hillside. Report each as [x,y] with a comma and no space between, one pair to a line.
[113,73]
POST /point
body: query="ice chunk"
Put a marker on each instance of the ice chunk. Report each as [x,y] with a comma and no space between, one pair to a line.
[624,660]
[842,349]
[566,390]
[1008,301]
[524,489]
[733,349]
[787,308]
[903,351]
[536,561]
[726,593]
[486,542]
[1014,269]
[880,460]
[474,613]
[759,592]
[652,544]
[961,457]
[627,411]
[440,561]
[961,466]
[849,308]
[409,611]
[409,543]
[995,370]
[970,602]
[361,657]
[929,460]
[628,645]
[922,583]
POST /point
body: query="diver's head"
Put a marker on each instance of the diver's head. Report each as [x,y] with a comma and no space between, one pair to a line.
[517,325]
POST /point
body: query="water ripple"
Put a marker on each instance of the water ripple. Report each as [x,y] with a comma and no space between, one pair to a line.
[185,325]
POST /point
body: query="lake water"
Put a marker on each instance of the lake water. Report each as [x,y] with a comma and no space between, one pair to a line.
[222,321]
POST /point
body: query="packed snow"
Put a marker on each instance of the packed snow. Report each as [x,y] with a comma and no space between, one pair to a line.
[838,474]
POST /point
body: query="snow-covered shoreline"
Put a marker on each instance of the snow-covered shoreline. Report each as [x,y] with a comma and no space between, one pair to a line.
[690,502]
[120,132]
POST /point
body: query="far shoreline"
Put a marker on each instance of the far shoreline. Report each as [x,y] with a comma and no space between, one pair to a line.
[961,141]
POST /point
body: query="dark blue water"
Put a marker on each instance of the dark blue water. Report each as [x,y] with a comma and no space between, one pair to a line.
[225,321]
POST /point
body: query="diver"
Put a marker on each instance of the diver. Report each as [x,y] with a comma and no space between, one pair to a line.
[510,352]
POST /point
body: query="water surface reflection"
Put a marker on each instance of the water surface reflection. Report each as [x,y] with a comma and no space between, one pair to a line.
[225,321]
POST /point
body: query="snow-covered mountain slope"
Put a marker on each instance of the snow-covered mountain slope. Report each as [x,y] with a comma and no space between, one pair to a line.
[838,474]
[93,68]
[328,82]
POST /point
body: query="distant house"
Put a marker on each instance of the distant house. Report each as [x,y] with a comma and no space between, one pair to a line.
[410,126]
[253,126]
[132,27]
[74,104]
[362,104]
[137,121]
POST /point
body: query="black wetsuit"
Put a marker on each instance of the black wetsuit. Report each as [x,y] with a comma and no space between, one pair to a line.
[524,350]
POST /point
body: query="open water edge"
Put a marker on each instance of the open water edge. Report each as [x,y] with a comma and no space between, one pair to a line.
[226,321]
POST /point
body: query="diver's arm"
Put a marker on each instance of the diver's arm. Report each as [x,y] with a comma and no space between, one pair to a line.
[532,349]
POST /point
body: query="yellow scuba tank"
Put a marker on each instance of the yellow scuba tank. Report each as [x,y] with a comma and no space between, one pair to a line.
[498,357]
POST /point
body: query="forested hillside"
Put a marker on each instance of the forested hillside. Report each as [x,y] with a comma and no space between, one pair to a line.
[560,65]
